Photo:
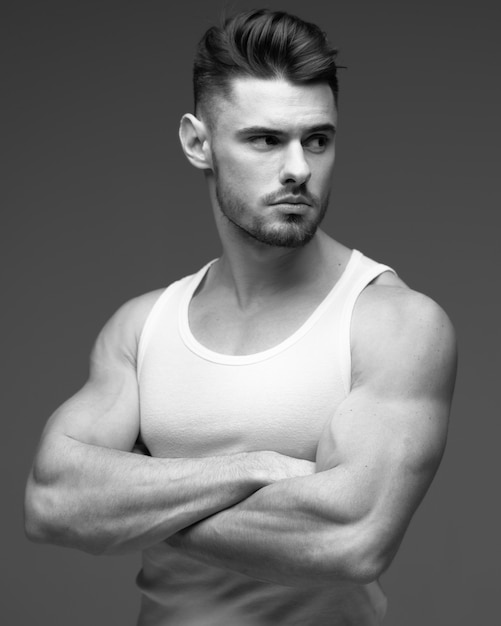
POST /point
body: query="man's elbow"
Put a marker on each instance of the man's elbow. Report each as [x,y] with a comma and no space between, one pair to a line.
[48,519]
[39,513]
[366,568]
[358,560]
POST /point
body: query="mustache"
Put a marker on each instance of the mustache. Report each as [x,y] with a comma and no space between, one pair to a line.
[298,195]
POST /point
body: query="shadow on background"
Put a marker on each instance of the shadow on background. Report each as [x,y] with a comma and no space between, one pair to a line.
[100,206]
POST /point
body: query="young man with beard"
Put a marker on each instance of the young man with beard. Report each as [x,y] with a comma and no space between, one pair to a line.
[293,395]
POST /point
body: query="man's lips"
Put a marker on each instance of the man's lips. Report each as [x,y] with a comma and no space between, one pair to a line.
[293,200]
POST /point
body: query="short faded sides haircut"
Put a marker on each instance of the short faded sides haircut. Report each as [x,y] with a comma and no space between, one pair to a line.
[262,44]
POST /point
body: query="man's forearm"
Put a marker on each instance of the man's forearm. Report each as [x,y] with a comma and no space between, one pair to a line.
[282,533]
[105,500]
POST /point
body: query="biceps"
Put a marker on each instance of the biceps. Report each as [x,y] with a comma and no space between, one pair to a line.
[387,453]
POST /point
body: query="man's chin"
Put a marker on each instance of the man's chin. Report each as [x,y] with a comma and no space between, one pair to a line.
[290,235]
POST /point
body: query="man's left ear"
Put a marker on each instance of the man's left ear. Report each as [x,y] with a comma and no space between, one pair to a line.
[194,141]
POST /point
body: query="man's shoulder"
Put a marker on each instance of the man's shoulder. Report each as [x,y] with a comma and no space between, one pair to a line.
[392,323]
[121,333]
[129,319]
[133,313]
[388,301]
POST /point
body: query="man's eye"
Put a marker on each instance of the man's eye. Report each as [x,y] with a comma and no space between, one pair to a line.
[264,142]
[317,143]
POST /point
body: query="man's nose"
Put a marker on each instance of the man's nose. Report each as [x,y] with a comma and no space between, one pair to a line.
[295,168]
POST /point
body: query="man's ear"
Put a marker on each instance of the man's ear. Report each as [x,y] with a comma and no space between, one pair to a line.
[194,140]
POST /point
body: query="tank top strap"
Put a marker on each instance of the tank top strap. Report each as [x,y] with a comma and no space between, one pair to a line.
[359,273]
[175,289]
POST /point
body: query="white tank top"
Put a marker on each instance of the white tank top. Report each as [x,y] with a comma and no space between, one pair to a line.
[197,402]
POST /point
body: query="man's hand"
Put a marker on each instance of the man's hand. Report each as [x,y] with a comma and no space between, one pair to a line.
[277,467]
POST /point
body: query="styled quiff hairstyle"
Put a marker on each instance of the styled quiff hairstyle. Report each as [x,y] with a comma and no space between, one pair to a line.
[261,44]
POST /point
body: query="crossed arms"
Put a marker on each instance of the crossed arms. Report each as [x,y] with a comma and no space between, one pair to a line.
[264,514]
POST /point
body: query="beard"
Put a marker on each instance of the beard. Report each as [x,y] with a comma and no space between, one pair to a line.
[286,230]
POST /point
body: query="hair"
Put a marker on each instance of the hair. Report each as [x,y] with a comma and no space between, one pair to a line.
[262,44]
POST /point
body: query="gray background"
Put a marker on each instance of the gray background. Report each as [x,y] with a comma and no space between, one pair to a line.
[98,205]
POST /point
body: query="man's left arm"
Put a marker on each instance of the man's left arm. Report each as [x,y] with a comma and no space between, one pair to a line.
[375,460]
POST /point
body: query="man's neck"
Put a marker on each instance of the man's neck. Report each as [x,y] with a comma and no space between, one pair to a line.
[256,271]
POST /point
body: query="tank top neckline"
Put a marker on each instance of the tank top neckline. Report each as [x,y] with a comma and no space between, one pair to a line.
[245,359]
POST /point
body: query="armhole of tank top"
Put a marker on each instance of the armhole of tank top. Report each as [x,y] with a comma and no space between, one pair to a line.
[369,274]
[147,330]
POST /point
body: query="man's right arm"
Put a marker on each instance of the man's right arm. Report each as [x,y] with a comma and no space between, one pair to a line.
[87,489]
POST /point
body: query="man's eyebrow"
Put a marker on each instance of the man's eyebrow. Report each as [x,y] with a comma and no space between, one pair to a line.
[266,130]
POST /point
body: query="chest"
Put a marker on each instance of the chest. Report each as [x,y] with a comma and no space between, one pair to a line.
[197,402]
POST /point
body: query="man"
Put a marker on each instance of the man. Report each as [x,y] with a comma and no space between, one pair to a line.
[292,395]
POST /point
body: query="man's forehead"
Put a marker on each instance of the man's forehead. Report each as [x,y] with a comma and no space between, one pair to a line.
[276,102]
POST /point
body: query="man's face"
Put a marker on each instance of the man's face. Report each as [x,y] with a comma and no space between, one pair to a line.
[273,152]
